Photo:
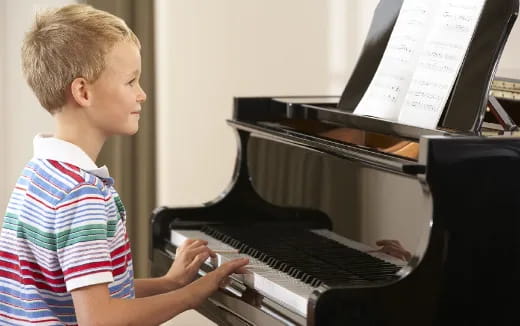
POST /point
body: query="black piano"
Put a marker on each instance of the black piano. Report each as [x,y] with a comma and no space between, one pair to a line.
[316,187]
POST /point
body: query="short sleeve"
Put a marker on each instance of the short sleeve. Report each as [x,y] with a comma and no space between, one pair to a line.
[81,237]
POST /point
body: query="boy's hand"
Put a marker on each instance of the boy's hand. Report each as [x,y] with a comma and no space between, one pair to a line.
[394,248]
[188,258]
[206,285]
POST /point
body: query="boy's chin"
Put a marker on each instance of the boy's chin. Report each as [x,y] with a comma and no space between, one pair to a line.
[128,132]
[128,129]
[133,132]
[132,129]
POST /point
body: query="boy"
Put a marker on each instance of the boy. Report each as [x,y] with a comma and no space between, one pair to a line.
[64,252]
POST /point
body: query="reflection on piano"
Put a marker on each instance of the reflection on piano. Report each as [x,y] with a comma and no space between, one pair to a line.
[315,187]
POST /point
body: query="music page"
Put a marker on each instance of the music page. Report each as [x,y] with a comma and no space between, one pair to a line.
[421,62]
[440,62]
[385,94]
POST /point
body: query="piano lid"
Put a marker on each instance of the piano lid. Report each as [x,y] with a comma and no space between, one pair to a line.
[467,103]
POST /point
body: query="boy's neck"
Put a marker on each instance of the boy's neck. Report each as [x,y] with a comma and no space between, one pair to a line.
[88,144]
[76,131]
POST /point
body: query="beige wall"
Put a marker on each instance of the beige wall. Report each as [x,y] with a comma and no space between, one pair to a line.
[509,65]
[210,51]
[21,114]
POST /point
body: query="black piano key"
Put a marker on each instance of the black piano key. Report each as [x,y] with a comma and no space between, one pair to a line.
[308,279]
[316,283]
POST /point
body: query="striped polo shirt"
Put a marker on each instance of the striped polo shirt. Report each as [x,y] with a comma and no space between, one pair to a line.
[64,228]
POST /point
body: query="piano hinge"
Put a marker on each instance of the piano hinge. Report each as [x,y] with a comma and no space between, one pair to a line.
[500,114]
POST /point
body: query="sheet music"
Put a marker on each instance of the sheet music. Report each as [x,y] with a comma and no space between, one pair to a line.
[440,62]
[421,62]
[385,93]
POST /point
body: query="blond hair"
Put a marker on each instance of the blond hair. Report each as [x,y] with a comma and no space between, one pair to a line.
[68,43]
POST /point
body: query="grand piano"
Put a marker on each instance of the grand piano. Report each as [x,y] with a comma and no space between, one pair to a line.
[316,186]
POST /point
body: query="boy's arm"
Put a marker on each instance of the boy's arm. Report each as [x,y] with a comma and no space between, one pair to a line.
[94,306]
[145,287]
[188,258]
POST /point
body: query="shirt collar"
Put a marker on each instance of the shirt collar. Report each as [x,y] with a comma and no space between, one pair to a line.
[47,147]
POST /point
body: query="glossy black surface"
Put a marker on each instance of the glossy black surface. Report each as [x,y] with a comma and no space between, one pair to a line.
[481,227]
[469,273]
[292,176]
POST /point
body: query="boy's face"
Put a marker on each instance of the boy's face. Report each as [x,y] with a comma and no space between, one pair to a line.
[116,94]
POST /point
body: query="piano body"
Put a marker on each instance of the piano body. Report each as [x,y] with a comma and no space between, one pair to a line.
[316,186]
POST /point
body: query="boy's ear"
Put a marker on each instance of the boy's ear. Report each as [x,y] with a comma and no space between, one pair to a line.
[80,91]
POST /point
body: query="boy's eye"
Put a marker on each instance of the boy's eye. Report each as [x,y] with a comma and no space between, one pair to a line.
[131,82]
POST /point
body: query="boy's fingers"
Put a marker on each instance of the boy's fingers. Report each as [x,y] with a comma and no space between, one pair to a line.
[398,253]
[394,253]
[198,260]
[241,270]
[187,242]
[387,242]
[232,266]
[192,242]
[197,242]
[192,253]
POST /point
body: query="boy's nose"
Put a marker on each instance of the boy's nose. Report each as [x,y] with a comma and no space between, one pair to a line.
[141,97]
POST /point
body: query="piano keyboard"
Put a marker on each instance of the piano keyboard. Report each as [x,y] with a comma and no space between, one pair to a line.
[269,282]
[287,265]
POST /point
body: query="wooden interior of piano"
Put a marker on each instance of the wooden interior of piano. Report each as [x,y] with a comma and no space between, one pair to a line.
[384,143]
